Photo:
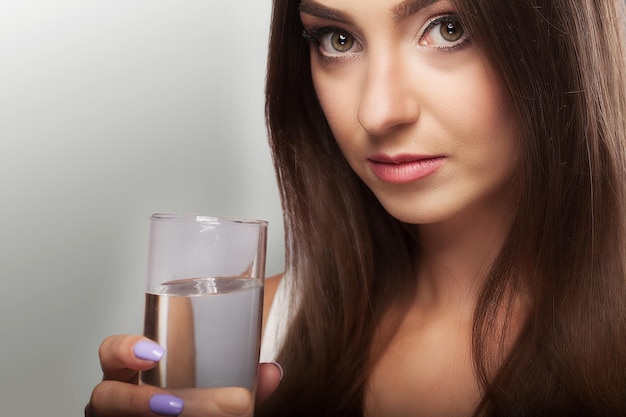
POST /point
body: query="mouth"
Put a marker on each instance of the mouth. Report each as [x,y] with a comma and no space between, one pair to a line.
[405,168]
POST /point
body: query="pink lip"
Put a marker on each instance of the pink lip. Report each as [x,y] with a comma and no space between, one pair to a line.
[405,168]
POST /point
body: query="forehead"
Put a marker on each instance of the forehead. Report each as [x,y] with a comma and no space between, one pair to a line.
[340,10]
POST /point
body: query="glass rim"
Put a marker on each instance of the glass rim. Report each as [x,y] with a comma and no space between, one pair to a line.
[197,218]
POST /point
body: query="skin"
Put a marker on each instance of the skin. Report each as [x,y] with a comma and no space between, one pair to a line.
[423,121]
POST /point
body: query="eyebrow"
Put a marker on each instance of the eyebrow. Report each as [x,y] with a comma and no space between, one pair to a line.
[315,9]
[409,7]
[400,12]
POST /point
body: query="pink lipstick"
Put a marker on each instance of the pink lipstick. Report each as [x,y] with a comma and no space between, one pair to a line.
[404,168]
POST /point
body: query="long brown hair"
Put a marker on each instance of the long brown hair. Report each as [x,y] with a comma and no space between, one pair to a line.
[563,64]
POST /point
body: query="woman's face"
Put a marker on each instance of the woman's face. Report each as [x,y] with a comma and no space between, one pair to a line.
[413,103]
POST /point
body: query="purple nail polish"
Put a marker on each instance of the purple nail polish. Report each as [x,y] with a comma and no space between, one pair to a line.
[166,405]
[149,351]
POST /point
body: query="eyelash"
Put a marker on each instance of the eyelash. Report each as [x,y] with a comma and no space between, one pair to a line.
[447,19]
[314,35]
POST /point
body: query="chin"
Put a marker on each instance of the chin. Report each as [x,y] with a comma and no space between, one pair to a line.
[416,214]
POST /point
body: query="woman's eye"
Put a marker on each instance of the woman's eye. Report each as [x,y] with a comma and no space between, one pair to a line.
[444,32]
[337,41]
[332,43]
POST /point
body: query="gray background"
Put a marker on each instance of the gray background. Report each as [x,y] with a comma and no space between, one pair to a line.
[111,110]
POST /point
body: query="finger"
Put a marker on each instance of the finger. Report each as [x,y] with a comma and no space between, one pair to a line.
[122,356]
[270,375]
[113,398]
[217,402]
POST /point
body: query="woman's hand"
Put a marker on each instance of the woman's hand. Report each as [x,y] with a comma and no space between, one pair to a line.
[123,356]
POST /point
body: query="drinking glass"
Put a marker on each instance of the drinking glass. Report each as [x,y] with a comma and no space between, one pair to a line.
[204,299]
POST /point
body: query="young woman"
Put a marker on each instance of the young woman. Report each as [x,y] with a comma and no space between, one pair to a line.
[452,175]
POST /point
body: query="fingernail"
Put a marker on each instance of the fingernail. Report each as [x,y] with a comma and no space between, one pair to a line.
[166,405]
[149,351]
[280,368]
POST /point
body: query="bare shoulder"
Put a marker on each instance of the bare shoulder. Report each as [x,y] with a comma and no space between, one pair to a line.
[269,291]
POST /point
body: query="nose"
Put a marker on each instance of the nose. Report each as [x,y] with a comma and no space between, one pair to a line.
[387,100]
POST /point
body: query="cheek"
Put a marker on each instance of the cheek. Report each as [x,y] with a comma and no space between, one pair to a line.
[338,96]
[482,118]
[478,102]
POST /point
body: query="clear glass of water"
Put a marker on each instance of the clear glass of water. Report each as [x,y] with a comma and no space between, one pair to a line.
[204,300]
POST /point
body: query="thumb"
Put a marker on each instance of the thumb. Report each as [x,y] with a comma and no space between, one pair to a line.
[270,375]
